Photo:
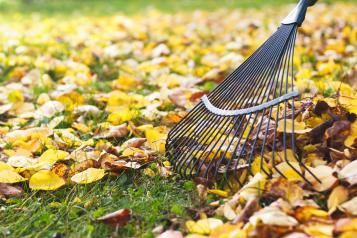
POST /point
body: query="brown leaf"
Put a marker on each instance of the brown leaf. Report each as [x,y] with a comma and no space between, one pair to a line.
[89,163]
[8,191]
[320,107]
[121,165]
[135,142]
[118,218]
[178,98]
[337,134]
[250,207]
[114,132]
[317,133]
[61,170]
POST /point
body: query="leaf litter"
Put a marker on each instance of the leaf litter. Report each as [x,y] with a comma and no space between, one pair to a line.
[81,108]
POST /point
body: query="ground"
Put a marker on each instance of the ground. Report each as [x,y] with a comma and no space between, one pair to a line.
[118,55]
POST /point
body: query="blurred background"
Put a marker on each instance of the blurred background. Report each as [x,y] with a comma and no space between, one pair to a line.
[103,7]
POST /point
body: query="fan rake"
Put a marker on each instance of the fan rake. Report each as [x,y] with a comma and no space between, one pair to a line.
[246,124]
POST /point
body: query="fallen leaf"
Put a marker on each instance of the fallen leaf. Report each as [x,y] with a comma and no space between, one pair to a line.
[51,156]
[291,170]
[289,127]
[118,218]
[228,212]
[338,133]
[273,216]
[250,207]
[46,180]
[218,192]
[349,207]
[203,226]
[325,175]
[349,173]
[9,191]
[306,213]
[345,225]
[49,109]
[89,175]
[253,188]
[156,138]
[10,176]
[4,166]
[171,234]
[114,132]
[338,195]
[134,142]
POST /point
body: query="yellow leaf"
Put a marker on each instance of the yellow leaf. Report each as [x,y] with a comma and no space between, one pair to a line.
[130,151]
[4,166]
[88,176]
[46,180]
[338,195]
[218,192]
[203,226]
[15,96]
[299,127]
[51,156]
[156,138]
[290,171]
[124,82]
[122,115]
[349,102]
[259,165]
[10,176]
[353,135]
[254,187]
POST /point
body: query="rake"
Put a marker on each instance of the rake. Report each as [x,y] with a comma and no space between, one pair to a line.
[246,124]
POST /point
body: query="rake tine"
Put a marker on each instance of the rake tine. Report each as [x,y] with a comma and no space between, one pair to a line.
[224,130]
[267,70]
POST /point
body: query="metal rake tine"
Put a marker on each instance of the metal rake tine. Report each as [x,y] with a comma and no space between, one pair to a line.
[266,71]
[215,127]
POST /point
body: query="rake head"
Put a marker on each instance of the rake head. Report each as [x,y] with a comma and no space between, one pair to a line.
[246,124]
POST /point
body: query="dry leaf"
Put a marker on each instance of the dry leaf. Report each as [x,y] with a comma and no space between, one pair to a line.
[9,191]
[273,216]
[134,142]
[349,207]
[114,132]
[338,195]
[349,173]
[325,175]
[118,218]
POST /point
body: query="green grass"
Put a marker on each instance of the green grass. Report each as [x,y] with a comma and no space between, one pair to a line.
[72,211]
[107,7]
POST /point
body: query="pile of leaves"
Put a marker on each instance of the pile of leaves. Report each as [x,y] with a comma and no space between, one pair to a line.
[91,97]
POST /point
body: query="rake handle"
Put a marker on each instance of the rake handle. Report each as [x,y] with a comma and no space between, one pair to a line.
[297,15]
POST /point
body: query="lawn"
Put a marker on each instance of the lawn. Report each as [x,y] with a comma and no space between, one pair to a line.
[96,74]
